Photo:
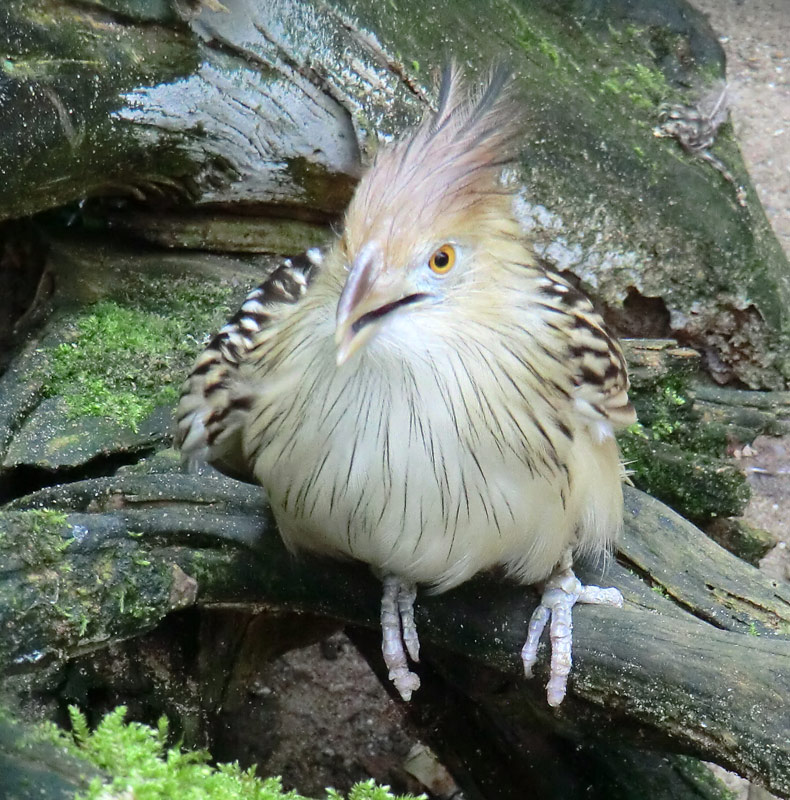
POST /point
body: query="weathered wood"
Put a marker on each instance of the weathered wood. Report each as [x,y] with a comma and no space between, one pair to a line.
[165,541]
[742,539]
[752,412]
[651,361]
[225,233]
[493,752]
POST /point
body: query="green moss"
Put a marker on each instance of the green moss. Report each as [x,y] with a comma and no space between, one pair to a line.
[699,776]
[741,539]
[549,50]
[141,590]
[628,64]
[534,41]
[45,520]
[674,457]
[622,63]
[36,548]
[645,87]
[141,765]
[698,486]
[123,340]
[37,537]
[666,414]
[42,549]
[126,358]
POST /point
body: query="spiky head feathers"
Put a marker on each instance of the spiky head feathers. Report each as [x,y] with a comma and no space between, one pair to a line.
[445,176]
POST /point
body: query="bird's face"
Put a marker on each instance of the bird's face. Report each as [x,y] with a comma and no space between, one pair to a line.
[425,222]
[383,285]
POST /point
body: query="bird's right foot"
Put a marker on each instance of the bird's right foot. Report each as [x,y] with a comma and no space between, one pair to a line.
[399,634]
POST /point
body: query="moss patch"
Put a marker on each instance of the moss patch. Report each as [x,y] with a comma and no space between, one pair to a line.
[697,486]
[122,359]
[141,765]
[60,590]
[674,457]
[36,537]
[702,778]
[645,87]
[742,539]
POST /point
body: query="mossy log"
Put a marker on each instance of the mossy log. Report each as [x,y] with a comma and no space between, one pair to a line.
[266,110]
[696,662]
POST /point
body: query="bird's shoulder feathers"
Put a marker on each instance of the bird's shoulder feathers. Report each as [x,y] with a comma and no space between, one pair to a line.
[590,353]
[214,402]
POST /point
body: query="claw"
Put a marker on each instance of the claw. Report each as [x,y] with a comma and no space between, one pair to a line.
[560,594]
[406,597]
[399,634]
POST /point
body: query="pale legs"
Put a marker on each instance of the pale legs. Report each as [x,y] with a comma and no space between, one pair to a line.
[561,592]
[398,631]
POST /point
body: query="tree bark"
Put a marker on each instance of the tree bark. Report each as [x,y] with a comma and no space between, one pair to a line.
[240,127]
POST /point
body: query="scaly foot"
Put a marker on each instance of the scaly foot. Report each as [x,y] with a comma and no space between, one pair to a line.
[398,631]
[560,594]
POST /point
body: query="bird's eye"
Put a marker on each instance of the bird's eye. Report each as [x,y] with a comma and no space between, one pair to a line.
[443,259]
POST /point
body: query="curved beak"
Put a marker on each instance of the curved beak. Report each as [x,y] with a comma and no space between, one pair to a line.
[355,301]
[369,295]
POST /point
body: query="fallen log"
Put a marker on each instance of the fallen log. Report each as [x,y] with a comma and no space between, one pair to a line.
[696,662]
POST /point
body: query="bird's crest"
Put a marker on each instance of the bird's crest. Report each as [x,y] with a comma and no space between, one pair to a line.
[446,172]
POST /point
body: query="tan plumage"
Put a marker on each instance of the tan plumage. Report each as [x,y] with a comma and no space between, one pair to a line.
[431,421]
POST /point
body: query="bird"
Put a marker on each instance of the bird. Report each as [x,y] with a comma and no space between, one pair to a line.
[424,395]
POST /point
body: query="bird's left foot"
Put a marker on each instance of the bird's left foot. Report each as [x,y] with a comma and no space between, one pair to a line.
[560,594]
[399,634]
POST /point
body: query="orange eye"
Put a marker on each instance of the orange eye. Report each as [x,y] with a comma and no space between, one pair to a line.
[443,259]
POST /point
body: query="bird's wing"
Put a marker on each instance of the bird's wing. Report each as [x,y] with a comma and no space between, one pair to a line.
[213,405]
[595,361]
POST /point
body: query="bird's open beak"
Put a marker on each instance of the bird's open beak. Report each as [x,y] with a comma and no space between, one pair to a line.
[368,296]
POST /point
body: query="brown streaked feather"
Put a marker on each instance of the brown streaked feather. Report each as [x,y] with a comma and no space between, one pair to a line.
[471,430]
[596,361]
[214,404]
